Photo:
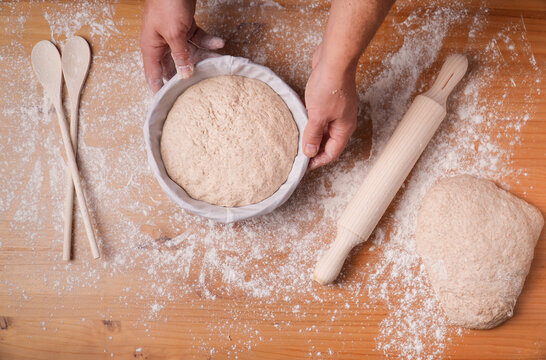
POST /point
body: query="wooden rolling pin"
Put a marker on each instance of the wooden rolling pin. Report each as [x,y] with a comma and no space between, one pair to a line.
[391,168]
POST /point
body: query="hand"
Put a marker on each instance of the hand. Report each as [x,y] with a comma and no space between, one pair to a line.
[171,41]
[331,101]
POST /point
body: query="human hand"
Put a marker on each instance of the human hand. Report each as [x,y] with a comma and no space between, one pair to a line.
[331,101]
[171,42]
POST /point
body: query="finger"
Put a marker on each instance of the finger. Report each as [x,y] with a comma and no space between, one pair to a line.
[338,136]
[151,57]
[332,150]
[320,160]
[337,143]
[316,56]
[312,136]
[202,54]
[181,53]
[206,41]
[167,65]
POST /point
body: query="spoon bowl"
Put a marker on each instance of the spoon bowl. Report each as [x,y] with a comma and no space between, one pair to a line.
[46,63]
[75,64]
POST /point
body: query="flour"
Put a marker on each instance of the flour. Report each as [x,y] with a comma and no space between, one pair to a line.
[168,256]
[97,15]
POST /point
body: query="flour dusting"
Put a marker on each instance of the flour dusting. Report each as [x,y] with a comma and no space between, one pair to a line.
[166,256]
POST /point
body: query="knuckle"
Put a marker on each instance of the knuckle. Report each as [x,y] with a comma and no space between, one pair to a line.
[171,35]
[313,134]
[181,52]
[144,42]
[176,31]
[316,121]
[332,155]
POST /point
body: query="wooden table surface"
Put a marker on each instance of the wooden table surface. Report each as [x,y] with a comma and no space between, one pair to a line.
[136,302]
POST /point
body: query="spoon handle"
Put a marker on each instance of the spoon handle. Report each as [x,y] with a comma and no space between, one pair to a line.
[73,167]
[69,197]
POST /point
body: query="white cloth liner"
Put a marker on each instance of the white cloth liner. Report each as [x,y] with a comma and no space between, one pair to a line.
[162,104]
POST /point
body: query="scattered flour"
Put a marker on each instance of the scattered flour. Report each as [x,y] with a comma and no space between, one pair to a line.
[169,256]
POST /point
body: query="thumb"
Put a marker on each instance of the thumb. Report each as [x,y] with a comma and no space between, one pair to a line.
[181,54]
[312,136]
[204,40]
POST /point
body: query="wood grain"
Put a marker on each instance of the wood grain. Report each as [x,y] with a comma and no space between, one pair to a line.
[94,322]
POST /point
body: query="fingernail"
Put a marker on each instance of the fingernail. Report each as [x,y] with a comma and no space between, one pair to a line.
[310,150]
[185,71]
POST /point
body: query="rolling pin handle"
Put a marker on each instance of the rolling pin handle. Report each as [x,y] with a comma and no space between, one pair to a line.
[329,266]
[451,73]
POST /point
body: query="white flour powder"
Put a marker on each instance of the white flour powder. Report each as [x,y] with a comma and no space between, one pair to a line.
[167,256]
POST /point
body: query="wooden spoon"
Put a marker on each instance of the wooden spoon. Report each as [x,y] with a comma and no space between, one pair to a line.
[46,62]
[76,58]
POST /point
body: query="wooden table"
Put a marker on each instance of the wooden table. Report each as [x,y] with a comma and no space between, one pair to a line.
[137,301]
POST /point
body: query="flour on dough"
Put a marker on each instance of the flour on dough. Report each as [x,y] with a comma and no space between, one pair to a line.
[229,141]
[477,242]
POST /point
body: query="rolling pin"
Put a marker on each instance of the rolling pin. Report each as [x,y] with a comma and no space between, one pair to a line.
[391,169]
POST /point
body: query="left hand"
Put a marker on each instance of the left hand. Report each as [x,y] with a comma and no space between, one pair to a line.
[331,101]
[172,42]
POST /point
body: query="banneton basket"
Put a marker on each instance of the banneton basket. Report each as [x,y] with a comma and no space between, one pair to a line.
[162,104]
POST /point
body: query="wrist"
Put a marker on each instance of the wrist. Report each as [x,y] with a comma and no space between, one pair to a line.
[337,63]
[337,72]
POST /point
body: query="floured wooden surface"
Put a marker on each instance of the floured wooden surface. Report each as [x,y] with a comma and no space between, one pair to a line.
[173,285]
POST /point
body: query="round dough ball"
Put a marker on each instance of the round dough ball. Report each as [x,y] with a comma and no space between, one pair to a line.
[229,141]
[476,241]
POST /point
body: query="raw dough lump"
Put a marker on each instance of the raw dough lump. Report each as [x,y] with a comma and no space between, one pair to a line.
[477,242]
[229,141]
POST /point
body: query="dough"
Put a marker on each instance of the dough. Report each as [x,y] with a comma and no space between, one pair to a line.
[476,241]
[229,141]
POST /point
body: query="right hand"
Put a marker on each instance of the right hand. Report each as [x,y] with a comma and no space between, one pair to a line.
[171,42]
[332,103]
